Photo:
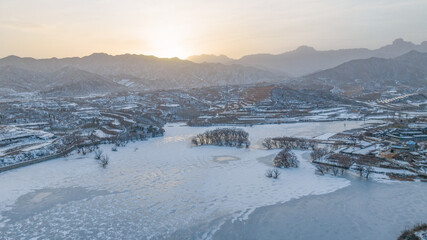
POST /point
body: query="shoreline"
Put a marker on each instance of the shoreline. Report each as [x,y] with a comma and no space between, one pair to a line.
[72,148]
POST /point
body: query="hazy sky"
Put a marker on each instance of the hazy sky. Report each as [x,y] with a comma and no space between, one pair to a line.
[61,28]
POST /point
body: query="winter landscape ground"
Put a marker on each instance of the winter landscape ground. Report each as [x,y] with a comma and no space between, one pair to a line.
[224,119]
[229,161]
[158,188]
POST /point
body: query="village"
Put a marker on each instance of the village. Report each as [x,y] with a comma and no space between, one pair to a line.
[34,129]
[394,150]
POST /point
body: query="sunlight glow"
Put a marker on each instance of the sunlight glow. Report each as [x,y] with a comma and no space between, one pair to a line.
[168,41]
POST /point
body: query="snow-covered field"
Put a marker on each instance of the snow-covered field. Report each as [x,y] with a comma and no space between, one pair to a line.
[153,188]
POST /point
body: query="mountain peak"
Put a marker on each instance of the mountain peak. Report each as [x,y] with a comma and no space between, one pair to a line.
[11,57]
[305,49]
[401,42]
[98,55]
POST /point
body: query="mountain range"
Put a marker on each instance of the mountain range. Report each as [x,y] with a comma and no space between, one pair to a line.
[105,73]
[408,71]
[354,71]
[307,60]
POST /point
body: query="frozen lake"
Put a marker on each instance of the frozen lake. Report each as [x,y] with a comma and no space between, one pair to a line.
[160,188]
[365,210]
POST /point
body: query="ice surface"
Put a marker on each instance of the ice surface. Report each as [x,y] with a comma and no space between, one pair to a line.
[162,185]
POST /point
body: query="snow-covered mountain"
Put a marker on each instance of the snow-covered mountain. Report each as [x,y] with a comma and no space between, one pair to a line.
[67,81]
[306,60]
[70,81]
[100,72]
[210,58]
[17,79]
[373,74]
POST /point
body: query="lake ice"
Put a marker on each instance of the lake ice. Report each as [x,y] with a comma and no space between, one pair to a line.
[154,188]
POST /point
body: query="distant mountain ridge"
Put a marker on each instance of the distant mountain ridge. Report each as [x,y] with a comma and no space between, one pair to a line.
[210,58]
[408,71]
[107,73]
[101,73]
[306,60]
[67,81]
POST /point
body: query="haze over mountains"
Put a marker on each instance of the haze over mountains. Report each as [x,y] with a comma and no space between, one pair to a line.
[106,73]
[306,60]
[349,71]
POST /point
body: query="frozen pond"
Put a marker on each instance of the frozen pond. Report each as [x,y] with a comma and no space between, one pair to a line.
[160,188]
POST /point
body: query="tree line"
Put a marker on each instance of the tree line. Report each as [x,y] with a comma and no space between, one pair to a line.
[231,137]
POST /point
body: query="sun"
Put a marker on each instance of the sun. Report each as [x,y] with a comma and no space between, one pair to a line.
[166,41]
[169,48]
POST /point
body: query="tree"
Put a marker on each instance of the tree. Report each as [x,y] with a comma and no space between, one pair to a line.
[104,160]
[269,173]
[318,153]
[359,169]
[268,143]
[335,170]
[286,159]
[368,170]
[276,173]
[272,173]
[98,154]
[322,169]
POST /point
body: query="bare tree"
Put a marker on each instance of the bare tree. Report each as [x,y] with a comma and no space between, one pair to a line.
[269,173]
[318,153]
[104,160]
[322,169]
[368,170]
[276,173]
[98,154]
[286,159]
[267,143]
[272,173]
[83,150]
[335,170]
[359,169]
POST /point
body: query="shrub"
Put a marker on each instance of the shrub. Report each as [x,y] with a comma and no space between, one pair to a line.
[272,173]
[269,173]
[104,160]
[98,154]
[411,234]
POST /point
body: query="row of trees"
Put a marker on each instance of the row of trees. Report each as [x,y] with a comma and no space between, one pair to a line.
[342,161]
[318,153]
[232,137]
[364,171]
[324,169]
[289,143]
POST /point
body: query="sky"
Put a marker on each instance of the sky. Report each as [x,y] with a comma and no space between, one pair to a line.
[181,28]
